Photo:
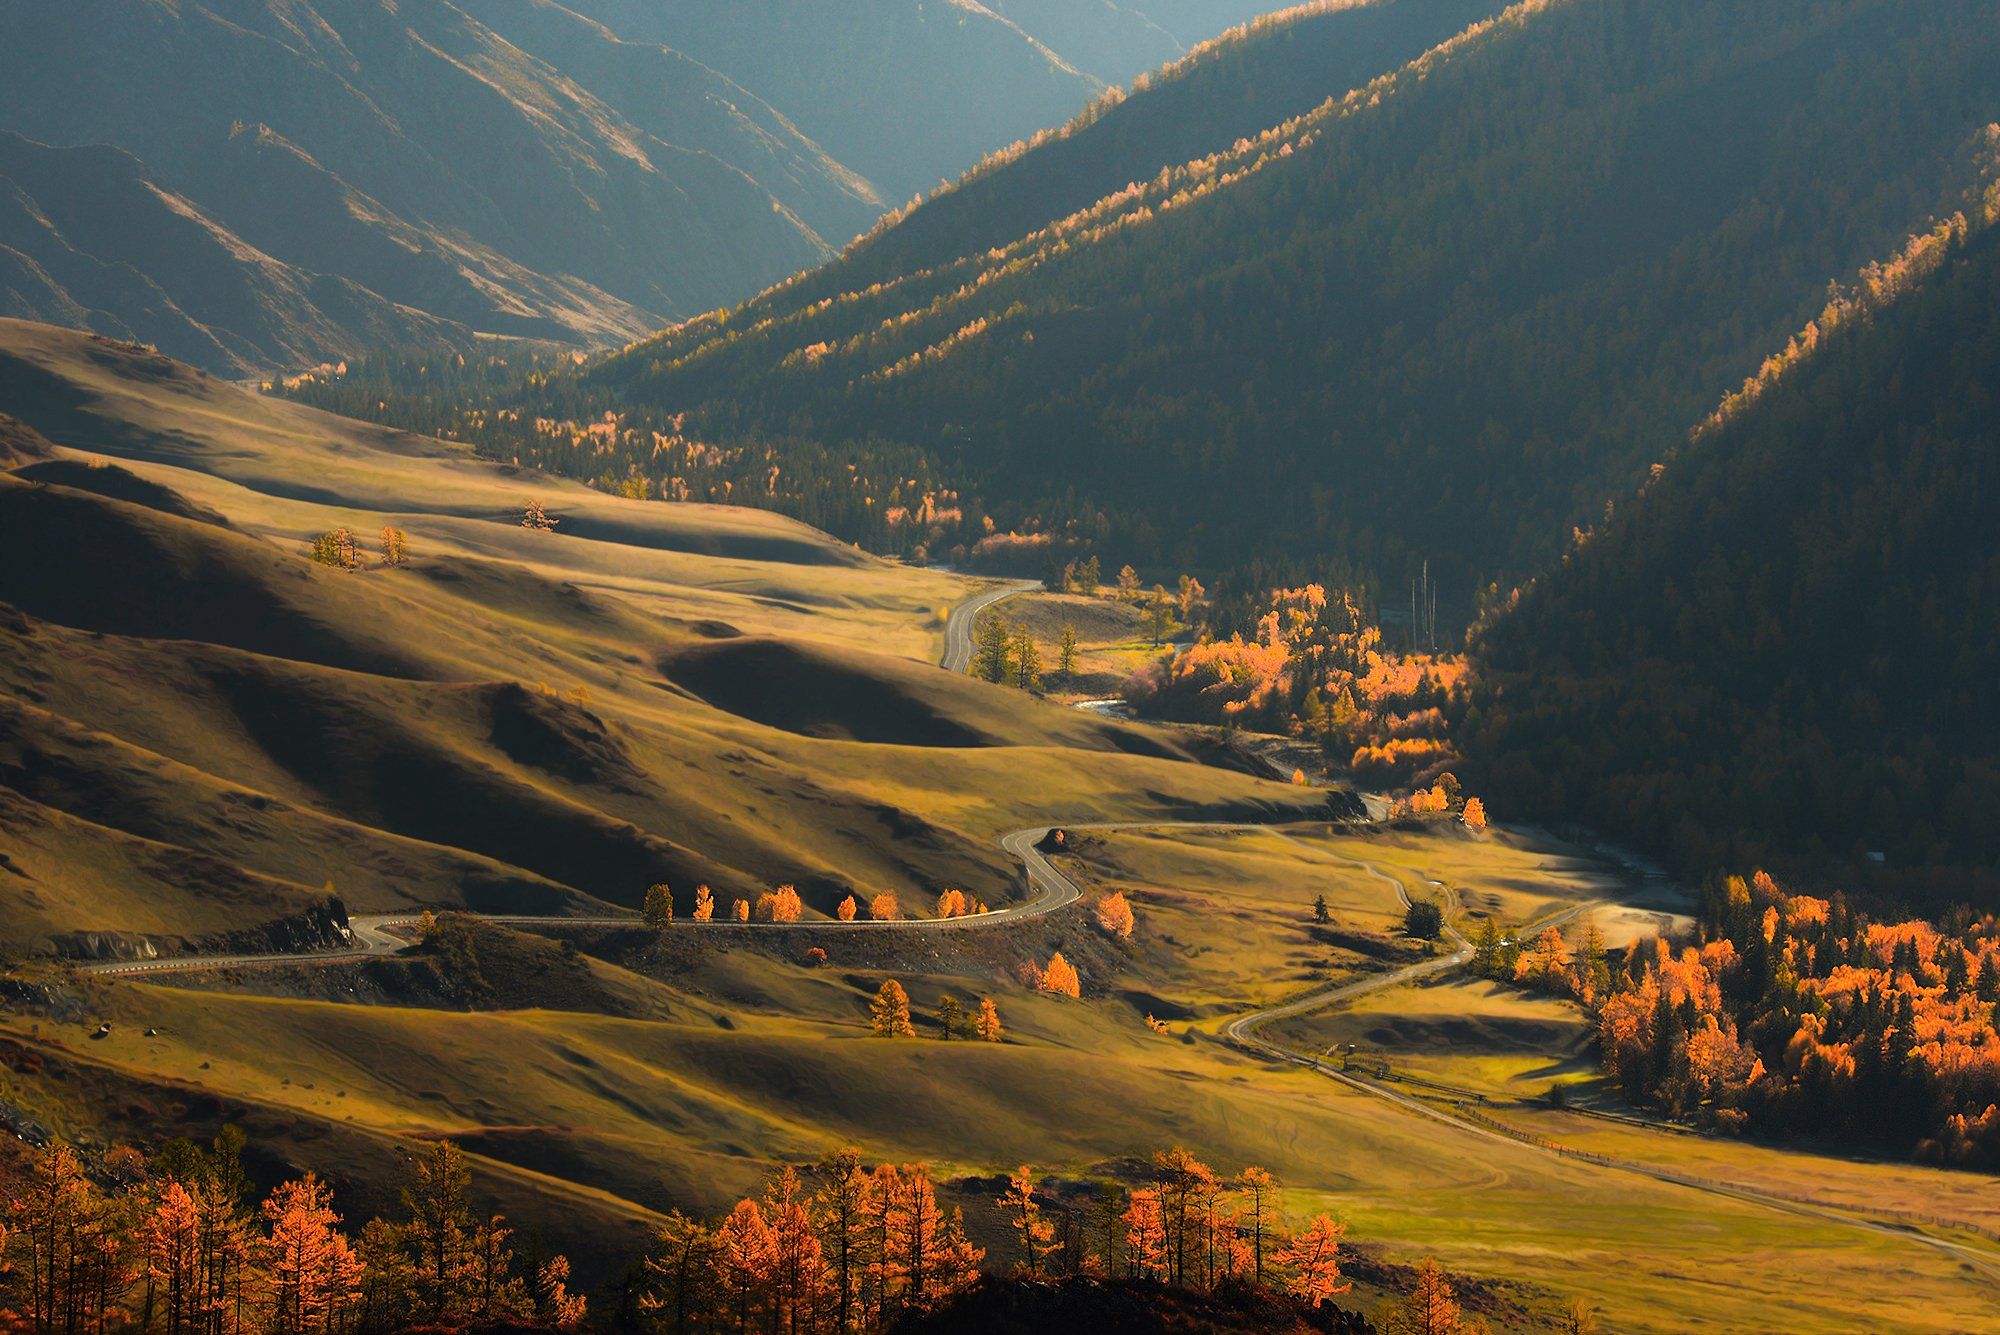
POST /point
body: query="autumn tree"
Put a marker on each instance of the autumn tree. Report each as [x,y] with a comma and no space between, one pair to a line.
[1258,1191]
[659,908]
[704,903]
[884,907]
[1187,1190]
[1059,978]
[438,1224]
[889,1013]
[1429,1308]
[170,1236]
[951,904]
[796,1260]
[1114,915]
[1578,1318]
[745,1258]
[1190,593]
[1032,1233]
[842,1204]
[492,1288]
[926,1255]
[992,658]
[1312,1259]
[739,910]
[395,547]
[780,905]
[1545,962]
[335,548]
[313,1271]
[987,1025]
[1066,651]
[52,1218]
[1145,1235]
[848,908]
[1321,914]
[678,1277]
[555,1306]
[1474,814]
[950,1016]
[1027,662]
[536,518]
[1128,584]
[1159,614]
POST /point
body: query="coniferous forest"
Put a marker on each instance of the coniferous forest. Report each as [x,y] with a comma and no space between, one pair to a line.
[1783,652]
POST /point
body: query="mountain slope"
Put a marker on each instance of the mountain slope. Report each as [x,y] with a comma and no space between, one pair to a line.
[1783,653]
[444,166]
[518,166]
[88,238]
[1367,322]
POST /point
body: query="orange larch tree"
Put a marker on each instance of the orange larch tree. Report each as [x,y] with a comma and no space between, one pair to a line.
[884,907]
[1313,1261]
[1033,1233]
[1114,915]
[848,908]
[1059,978]
[889,1013]
[704,903]
[987,1025]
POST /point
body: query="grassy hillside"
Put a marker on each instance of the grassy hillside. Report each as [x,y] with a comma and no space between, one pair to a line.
[1782,652]
[673,1071]
[1368,320]
[214,728]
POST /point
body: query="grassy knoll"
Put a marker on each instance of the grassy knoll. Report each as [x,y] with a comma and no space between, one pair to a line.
[1111,639]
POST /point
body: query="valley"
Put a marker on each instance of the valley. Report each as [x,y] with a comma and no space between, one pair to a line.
[1339,686]
[600,1068]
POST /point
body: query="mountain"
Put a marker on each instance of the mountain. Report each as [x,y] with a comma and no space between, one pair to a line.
[909,93]
[201,727]
[581,173]
[1364,333]
[1783,652]
[88,238]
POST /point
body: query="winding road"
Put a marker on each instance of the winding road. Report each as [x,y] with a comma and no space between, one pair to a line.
[964,619]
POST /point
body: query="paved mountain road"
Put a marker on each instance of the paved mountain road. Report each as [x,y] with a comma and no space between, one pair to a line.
[960,623]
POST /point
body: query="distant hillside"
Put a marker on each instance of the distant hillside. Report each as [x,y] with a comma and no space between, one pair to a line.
[88,238]
[1784,652]
[579,172]
[1366,333]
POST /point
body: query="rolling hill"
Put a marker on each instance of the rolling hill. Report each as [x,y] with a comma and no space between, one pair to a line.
[1366,318]
[1782,653]
[379,175]
[205,730]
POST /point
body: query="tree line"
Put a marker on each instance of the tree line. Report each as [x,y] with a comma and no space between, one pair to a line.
[1794,1015]
[179,1243]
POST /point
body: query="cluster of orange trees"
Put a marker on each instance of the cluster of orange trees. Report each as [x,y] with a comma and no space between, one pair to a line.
[865,1246]
[177,1244]
[1792,1014]
[1314,667]
[889,1016]
[784,904]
